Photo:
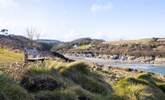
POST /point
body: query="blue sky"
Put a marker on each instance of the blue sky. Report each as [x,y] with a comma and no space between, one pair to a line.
[70,19]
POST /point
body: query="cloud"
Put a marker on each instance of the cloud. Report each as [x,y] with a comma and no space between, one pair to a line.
[8,3]
[104,6]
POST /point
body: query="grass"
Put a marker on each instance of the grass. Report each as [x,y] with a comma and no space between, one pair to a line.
[57,80]
[72,79]
[80,74]
[79,66]
[9,90]
[147,78]
[8,56]
[144,87]
[78,81]
[84,46]
[51,95]
[161,86]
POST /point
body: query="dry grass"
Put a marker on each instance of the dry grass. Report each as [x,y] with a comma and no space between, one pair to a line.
[8,56]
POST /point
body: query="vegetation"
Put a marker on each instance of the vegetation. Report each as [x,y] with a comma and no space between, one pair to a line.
[144,87]
[10,90]
[138,48]
[8,56]
[82,43]
[14,42]
[59,80]
[84,46]
[77,81]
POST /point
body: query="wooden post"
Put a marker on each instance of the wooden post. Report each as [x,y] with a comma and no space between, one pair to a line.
[25,56]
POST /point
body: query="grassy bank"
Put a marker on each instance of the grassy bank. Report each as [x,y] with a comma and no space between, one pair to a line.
[56,80]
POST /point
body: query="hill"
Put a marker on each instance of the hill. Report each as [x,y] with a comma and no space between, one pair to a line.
[15,42]
[12,46]
[139,48]
[48,44]
[47,41]
[81,43]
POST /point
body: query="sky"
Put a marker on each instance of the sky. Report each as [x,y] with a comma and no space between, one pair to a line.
[67,20]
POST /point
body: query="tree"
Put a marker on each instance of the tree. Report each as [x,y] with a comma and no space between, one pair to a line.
[38,35]
[4,31]
[32,34]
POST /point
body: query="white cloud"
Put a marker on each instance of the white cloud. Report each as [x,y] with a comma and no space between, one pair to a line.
[8,3]
[101,7]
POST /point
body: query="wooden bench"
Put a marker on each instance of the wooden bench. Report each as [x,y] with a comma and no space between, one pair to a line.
[36,59]
[32,55]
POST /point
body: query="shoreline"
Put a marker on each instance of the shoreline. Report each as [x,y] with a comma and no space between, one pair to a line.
[118,61]
[105,64]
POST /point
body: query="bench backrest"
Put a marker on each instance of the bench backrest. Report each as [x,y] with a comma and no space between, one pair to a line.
[31,53]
